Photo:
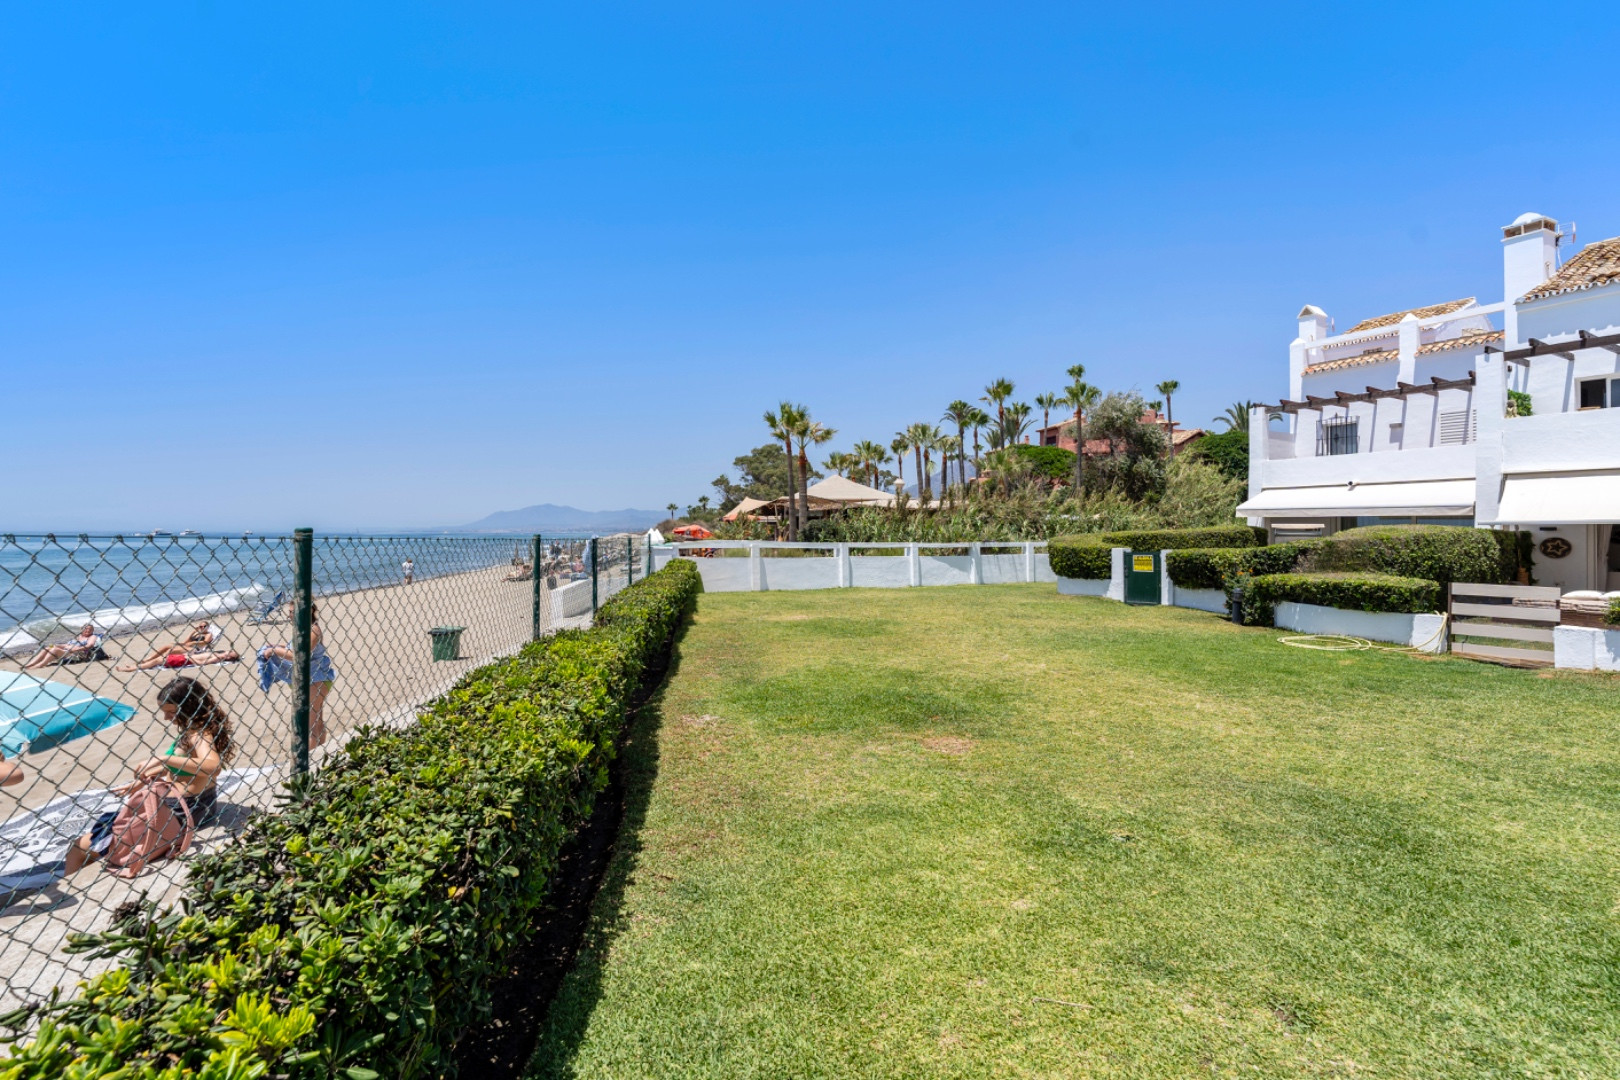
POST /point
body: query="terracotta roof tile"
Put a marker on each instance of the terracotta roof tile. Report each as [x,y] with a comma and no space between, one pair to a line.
[1473,339]
[1371,356]
[1596,264]
[1423,313]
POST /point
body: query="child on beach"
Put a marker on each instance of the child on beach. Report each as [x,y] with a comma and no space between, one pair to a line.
[275,665]
[192,763]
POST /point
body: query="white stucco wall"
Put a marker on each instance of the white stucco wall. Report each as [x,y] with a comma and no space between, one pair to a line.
[1068,586]
[1413,631]
[1586,648]
[1202,599]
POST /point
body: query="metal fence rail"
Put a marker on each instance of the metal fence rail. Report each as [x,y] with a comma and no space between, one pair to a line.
[94,629]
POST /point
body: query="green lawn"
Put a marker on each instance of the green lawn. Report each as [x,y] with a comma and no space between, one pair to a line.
[991,831]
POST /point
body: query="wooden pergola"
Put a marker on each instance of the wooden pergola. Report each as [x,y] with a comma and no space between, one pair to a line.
[1314,403]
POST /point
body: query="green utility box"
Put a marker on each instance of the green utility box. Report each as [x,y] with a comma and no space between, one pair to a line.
[446,642]
[1142,580]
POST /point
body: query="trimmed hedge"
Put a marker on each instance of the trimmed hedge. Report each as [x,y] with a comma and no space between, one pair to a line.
[1353,592]
[1442,553]
[355,933]
[1087,555]
[1209,568]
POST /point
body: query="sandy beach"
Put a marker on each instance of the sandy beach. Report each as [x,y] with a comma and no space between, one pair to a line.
[379,644]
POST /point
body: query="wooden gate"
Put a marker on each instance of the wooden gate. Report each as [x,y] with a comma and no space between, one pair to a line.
[1518,619]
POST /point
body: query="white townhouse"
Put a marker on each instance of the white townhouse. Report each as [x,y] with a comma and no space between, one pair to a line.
[1420,415]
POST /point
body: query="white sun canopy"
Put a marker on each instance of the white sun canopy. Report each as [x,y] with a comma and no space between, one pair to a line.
[1570,499]
[1422,498]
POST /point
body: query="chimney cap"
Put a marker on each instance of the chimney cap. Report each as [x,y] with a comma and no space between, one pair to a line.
[1525,224]
[1311,311]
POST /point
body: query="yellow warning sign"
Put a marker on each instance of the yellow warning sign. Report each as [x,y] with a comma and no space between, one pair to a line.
[1142,564]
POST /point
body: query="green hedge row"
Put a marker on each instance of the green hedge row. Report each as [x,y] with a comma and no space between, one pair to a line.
[1087,555]
[1442,553]
[355,933]
[1209,568]
[1355,592]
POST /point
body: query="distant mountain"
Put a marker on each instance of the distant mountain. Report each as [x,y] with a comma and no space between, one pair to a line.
[548,517]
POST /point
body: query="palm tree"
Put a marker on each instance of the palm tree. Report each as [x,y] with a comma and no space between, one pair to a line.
[1236,416]
[782,423]
[979,420]
[672,507]
[872,456]
[1014,422]
[946,445]
[1080,396]
[996,394]
[900,444]
[1168,389]
[960,413]
[918,437]
[809,433]
[1047,402]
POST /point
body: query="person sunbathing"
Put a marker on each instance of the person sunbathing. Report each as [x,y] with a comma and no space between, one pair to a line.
[80,648]
[193,650]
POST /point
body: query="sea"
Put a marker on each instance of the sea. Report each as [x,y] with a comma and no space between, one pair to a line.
[51,585]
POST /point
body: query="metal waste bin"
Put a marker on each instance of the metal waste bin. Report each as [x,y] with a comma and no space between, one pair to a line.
[446,642]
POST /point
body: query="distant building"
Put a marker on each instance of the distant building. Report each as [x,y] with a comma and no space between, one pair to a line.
[1416,416]
[1056,435]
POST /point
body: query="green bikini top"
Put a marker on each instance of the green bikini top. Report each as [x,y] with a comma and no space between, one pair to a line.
[174,768]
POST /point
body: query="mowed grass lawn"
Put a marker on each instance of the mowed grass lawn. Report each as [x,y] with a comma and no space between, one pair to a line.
[991,831]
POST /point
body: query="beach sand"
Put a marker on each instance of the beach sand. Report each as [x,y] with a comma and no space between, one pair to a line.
[379,644]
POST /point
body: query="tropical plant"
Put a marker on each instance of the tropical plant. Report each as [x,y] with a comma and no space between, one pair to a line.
[1168,388]
[809,432]
[1132,465]
[977,421]
[871,456]
[1227,450]
[1236,416]
[997,394]
[1014,422]
[1080,396]
[1046,403]
[783,424]
[960,413]
[946,445]
[672,508]
[900,444]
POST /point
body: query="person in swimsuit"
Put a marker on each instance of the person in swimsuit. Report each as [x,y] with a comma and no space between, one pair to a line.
[321,673]
[80,648]
[192,763]
[10,772]
[191,651]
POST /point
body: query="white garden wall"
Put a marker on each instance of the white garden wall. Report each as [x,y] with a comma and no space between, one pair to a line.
[1413,631]
[1586,648]
[758,566]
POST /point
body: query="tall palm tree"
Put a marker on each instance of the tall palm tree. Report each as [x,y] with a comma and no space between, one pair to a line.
[1047,402]
[959,412]
[1236,416]
[900,444]
[1080,396]
[783,422]
[873,455]
[1168,389]
[672,507]
[997,394]
[810,433]
[918,436]
[978,421]
[1014,422]
[947,445]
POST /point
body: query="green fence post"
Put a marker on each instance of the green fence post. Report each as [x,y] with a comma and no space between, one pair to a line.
[303,600]
[534,568]
[593,577]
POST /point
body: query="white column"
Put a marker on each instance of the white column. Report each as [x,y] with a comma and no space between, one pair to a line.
[1167,588]
[1409,349]
[975,569]
[1489,400]
[756,568]
[845,576]
[914,563]
[1029,562]
[1116,574]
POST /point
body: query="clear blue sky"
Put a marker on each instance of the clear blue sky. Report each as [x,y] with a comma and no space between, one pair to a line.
[402,265]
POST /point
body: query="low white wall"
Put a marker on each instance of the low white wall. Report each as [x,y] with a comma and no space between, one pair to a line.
[1116,583]
[567,601]
[1586,648]
[780,575]
[1202,599]
[1069,586]
[834,566]
[1413,631]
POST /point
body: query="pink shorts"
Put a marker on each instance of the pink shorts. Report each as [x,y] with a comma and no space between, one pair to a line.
[177,659]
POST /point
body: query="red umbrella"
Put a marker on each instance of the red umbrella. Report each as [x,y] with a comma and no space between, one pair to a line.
[692,532]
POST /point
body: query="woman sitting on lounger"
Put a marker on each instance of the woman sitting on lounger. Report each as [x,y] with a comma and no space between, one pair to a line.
[201,749]
[191,651]
[80,648]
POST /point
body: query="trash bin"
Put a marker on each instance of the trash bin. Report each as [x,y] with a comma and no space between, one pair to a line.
[446,642]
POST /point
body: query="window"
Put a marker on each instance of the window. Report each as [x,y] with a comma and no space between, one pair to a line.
[1593,393]
[1337,437]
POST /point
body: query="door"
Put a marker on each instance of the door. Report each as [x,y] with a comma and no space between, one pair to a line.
[1142,577]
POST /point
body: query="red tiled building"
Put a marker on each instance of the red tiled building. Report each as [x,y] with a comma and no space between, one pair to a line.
[1056,435]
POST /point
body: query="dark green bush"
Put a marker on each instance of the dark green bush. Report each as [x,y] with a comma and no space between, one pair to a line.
[1443,553]
[1353,592]
[1048,462]
[1087,555]
[1612,616]
[1209,568]
[1227,451]
[1521,402]
[355,933]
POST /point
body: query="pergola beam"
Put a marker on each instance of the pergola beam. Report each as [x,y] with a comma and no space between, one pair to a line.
[1372,393]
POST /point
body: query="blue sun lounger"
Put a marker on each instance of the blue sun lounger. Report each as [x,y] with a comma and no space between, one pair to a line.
[266,611]
[37,715]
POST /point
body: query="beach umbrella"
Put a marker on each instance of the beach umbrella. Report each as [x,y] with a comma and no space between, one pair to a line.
[37,715]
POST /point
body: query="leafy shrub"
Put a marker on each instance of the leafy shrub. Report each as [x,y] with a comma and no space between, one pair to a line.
[354,934]
[1354,592]
[1209,568]
[1612,616]
[1227,451]
[1521,402]
[1048,462]
[1442,553]
[1087,555]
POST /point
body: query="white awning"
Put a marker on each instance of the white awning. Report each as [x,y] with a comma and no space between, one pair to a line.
[1571,499]
[1421,498]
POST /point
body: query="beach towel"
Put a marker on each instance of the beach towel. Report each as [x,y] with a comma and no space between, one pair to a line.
[36,715]
[273,669]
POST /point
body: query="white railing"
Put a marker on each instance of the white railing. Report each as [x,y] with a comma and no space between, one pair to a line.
[764,565]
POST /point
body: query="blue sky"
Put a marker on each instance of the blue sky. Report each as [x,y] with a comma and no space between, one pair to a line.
[399,265]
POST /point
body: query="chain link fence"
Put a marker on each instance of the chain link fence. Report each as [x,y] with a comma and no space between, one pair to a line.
[288,635]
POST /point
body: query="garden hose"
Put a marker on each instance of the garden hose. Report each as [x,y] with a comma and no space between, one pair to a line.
[1346,643]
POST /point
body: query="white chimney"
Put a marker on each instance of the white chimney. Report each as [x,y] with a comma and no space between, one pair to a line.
[1313,323]
[1529,254]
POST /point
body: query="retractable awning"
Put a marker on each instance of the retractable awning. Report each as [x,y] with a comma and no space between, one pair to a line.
[1421,498]
[1591,498]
